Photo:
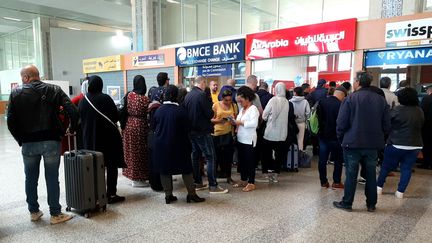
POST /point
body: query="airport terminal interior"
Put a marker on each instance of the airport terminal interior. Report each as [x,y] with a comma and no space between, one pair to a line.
[193,44]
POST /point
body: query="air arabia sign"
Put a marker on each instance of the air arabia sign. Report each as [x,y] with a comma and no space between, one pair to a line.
[327,37]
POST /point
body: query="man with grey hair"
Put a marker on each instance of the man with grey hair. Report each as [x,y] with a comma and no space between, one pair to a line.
[391,98]
[263,94]
[252,82]
[200,113]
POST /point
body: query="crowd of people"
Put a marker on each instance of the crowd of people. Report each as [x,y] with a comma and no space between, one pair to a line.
[206,131]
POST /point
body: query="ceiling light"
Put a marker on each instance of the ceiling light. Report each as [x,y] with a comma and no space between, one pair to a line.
[73,28]
[173,1]
[119,32]
[13,19]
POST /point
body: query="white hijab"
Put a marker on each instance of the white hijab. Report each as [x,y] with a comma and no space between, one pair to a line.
[280,99]
[84,87]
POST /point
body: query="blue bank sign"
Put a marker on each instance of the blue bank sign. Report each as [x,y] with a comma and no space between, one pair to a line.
[399,57]
[218,52]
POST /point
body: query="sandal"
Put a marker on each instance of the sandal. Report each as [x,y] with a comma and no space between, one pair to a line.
[240,184]
[249,187]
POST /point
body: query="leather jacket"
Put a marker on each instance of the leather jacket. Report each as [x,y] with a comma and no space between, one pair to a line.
[406,124]
[33,112]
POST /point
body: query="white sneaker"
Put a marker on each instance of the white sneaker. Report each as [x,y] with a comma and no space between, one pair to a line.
[399,194]
[274,178]
[140,184]
[264,179]
[218,190]
[35,216]
[57,219]
[379,190]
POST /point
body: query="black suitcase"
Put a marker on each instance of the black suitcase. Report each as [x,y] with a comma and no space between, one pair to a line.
[84,180]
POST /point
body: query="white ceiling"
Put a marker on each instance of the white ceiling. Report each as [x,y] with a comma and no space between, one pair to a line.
[106,13]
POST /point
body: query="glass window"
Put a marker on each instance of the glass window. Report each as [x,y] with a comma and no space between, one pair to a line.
[15,51]
[344,61]
[428,5]
[299,12]
[171,22]
[225,18]
[195,19]
[22,48]
[259,15]
[8,52]
[322,64]
[351,9]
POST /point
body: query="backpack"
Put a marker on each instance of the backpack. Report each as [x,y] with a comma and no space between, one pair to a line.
[312,121]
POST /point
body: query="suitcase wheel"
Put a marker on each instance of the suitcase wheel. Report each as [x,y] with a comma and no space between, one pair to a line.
[87,215]
[68,209]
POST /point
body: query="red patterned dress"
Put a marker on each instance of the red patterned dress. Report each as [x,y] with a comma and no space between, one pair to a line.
[135,138]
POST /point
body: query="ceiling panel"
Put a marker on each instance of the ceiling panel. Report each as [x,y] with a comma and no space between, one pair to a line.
[106,13]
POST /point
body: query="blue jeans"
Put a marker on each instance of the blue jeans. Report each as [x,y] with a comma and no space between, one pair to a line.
[368,157]
[392,158]
[32,154]
[203,144]
[326,147]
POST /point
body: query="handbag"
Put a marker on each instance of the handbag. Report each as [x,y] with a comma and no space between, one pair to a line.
[224,140]
[103,115]
[123,112]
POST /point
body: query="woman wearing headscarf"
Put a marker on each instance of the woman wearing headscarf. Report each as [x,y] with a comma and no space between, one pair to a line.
[172,148]
[225,111]
[100,134]
[84,87]
[135,134]
[275,134]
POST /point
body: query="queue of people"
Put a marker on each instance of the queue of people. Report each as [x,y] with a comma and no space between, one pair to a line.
[173,132]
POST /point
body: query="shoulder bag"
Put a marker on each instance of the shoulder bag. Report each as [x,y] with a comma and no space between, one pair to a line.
[103,115]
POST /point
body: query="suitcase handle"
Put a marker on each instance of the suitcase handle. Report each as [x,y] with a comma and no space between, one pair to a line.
[69,135]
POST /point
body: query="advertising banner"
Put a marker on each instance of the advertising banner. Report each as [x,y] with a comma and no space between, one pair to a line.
[114,93]
[148,60]
[419,29]
[212,53]
[320,38]
[399,57]
[103,64]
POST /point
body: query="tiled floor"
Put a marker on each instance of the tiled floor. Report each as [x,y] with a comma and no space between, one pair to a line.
[295,210]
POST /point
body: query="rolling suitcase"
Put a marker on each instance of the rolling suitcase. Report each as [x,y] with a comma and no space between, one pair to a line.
[292,161]
[84,180]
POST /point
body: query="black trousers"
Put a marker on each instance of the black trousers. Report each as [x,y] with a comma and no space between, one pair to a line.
[167,184]
[427,155]
[112,175]
[246,159]
[280,149]
[224,156]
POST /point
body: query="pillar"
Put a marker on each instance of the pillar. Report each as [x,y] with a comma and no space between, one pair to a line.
[142,25]
[42,43]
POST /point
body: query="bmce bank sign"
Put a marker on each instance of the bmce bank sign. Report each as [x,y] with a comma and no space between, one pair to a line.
[218,52]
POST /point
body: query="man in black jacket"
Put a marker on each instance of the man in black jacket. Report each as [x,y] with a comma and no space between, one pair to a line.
[200,113]
[327,111]
[33,120]
[426,106]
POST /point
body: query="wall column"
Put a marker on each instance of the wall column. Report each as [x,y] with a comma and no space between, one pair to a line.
[42,46]
[142,25]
